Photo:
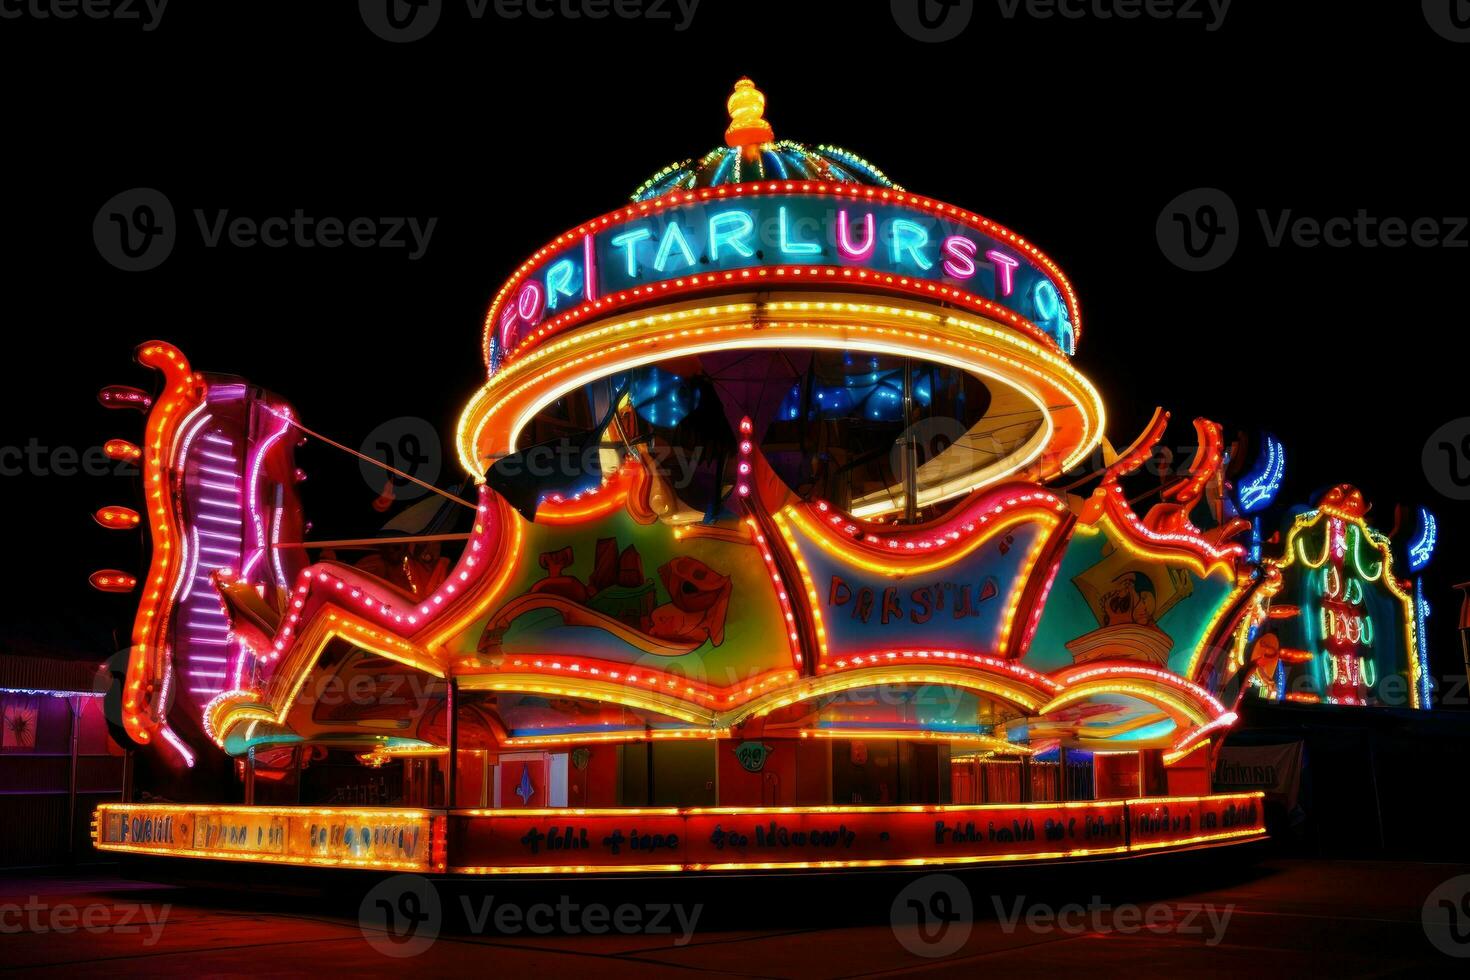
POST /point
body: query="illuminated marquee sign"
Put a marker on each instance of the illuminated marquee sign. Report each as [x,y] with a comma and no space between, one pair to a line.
[1347,630]
[539,841]
[731,838]
[1177,821]
[773,230]
[401,840]
[965,605]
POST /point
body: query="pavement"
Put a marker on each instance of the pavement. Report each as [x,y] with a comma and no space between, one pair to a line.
[1225,917]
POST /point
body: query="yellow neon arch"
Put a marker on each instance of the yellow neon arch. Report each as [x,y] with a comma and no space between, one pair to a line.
[517,392]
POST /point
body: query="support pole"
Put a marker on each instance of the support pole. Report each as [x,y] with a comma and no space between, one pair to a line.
[451,739]
[74,703]
[1464,588]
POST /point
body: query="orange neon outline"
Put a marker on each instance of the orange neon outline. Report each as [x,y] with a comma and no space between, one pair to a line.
[183,393]
[979,346]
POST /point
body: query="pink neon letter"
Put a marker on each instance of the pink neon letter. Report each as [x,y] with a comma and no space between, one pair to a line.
[1004,267]
[589,269]
[844,238]
[961,261]
[508,333]
[528,303]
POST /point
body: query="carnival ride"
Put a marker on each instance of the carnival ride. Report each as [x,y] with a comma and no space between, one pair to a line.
[779,556]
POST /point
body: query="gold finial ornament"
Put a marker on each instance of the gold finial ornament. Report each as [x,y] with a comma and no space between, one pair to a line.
[748,126]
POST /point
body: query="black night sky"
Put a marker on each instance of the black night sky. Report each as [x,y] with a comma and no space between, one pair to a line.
[1076,134]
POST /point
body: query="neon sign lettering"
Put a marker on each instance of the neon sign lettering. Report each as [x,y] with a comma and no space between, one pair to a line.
[687,239]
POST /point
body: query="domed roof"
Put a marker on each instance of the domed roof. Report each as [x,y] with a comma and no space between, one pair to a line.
[752,152]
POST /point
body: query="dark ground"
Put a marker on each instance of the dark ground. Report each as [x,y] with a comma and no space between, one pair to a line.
[1286,917]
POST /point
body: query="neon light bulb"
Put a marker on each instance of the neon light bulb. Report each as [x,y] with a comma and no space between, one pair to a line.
[909,236]
[844,237]
[1005,268]
[115,517]
[559,282]
[121,449]
[732,228]
[673,235]
[628,242]
[787,245]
